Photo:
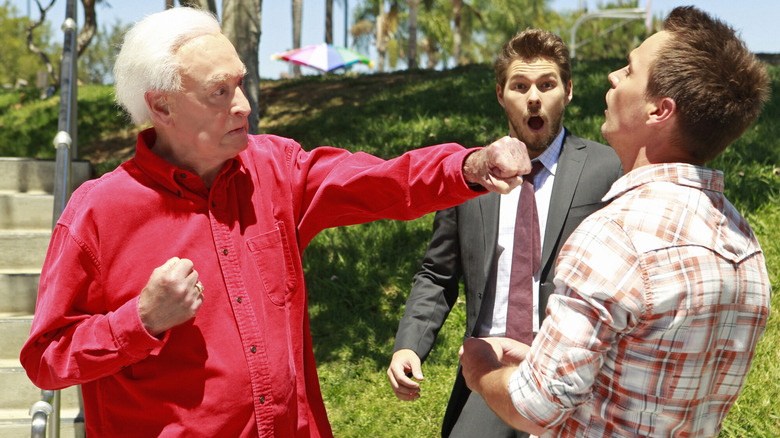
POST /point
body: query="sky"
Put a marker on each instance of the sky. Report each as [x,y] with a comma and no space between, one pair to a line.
[754,19]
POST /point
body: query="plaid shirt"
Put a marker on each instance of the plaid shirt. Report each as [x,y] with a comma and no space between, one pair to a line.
[660,300]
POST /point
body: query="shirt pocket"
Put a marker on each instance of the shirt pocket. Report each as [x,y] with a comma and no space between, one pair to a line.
[273,259]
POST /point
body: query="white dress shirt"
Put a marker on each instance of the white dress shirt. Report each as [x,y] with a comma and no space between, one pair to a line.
[543,183]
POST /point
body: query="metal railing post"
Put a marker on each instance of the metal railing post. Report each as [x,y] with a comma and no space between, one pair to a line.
[627,14]
[47,411]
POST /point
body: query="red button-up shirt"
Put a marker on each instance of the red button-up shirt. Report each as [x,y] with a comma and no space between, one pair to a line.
[244,366]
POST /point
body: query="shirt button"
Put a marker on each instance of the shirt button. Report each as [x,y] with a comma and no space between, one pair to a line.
[183,175]
[239,300]
[224,251]
[253,349]
[213,204]
[262,399]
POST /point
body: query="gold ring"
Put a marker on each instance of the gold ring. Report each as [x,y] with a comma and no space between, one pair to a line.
[200,287]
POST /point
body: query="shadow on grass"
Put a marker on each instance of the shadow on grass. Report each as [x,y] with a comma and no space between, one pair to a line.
[358,279]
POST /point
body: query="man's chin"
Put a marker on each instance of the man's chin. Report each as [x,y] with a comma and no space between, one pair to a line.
[537,141]
[237,139]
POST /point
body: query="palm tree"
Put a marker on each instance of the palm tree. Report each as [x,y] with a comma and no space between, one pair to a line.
[206,5]
[329,21]
[297,16]
[412,52]
[373,21]
[241,25]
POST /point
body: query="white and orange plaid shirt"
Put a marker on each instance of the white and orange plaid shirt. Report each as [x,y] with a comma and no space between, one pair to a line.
[660,300]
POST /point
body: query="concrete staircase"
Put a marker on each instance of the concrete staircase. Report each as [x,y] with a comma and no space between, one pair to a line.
[26,211]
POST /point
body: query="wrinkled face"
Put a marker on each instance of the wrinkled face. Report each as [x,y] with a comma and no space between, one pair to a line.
[209,113]
[628,108]
[534,98]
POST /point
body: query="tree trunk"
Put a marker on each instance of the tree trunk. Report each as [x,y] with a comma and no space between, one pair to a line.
[90,26]
[413,6]
[55,78]
[297,16]
[329,21]
[241,25]
[206,5]
[381,41]
[456,37]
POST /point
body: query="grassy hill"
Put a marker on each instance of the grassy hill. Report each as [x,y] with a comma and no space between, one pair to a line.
[359,276]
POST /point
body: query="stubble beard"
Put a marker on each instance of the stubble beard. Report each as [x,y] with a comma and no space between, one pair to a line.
[537,145]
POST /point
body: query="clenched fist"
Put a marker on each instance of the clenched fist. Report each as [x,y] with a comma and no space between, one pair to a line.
[498,167]
[170,297]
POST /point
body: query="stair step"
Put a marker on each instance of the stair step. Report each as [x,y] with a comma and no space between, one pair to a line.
[18,291]
[16,329]
[23,250]
[17,423]
[33,175]
[19,392]
[26,210]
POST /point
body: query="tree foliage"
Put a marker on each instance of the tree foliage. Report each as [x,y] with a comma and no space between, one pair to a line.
[16,61]
[460,32]
[608,37]
[97,62]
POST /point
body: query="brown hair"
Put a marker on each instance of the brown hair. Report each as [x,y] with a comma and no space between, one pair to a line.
[531,45]
[719,87]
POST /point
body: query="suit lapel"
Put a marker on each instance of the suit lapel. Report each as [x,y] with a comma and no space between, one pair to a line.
[489,205]
[567,175]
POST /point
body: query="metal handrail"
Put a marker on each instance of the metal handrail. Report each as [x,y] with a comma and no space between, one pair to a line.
[40,412]
[66,145]
[65,140]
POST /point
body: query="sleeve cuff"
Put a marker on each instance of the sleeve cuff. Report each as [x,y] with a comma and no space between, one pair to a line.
[460,159]
[529,401]
[130,334]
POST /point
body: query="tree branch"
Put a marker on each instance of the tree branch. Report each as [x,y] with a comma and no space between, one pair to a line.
[34,49]
[90,26]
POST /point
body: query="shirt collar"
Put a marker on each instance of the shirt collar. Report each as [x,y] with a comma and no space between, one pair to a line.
[683,174]
[549,157]
[169,176]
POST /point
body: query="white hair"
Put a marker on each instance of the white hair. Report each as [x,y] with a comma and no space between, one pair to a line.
[147,61]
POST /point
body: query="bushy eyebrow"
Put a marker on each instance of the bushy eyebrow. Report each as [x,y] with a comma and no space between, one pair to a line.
[546,76]
[225,77]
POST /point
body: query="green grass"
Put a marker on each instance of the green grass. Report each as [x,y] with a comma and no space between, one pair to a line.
[359,276]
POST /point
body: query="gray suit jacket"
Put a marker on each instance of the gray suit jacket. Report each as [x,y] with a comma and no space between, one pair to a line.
[464,242]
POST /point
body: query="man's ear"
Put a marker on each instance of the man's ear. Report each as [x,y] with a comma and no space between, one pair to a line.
[662,110]
[500,94]
[158,106]
[569,93]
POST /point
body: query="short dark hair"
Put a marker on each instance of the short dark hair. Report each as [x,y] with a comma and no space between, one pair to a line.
[531,45]
[719,87]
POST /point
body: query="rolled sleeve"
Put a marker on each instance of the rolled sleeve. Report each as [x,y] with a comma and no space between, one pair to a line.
[591,308]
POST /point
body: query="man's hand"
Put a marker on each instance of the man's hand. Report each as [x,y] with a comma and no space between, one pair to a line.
[498,167]
[488,365]
[172,296]
[405,362]
[481,356]
[511,351]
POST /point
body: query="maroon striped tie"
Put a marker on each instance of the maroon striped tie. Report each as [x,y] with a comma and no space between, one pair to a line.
[526,260]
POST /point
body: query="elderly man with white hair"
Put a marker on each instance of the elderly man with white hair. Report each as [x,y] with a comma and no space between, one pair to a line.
[173,290]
